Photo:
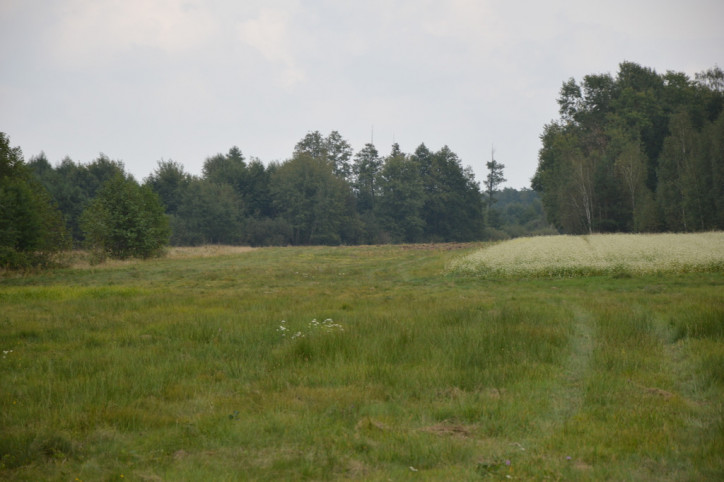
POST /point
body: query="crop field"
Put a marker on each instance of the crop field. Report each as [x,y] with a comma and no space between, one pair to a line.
[598,254]
[412,362]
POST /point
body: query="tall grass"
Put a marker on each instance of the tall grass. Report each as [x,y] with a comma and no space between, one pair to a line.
[387,367]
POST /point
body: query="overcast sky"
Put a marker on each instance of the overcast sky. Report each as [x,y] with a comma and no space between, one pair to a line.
[149,80]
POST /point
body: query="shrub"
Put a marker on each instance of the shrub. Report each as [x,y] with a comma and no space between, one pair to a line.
[31,227]
[125,220]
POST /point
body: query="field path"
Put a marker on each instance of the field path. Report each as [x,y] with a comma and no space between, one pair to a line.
[566,394]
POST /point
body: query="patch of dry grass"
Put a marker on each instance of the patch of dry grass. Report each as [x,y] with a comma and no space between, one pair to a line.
[82,259]
[209,250]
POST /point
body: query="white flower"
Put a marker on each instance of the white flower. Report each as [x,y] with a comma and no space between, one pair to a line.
[282,329]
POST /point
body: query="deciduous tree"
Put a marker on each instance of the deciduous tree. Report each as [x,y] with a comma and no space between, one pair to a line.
[31,227]
[209,213]
[312,200]
[170,182]
[125,220]
[633,152]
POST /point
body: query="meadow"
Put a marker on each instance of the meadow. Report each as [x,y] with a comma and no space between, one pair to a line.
[370,363]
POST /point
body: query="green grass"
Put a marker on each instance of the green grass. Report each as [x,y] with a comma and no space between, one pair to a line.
[176,369]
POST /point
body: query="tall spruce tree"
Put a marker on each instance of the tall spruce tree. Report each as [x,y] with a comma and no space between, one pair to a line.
[494,179]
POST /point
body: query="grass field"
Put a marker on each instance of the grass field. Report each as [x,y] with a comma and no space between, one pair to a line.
[374,363]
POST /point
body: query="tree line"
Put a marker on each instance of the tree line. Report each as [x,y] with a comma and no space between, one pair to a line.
[324,194]
[638,152]
[32,229]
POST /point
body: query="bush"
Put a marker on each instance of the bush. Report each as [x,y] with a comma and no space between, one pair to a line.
[125,220]
[32,231]
[492,234]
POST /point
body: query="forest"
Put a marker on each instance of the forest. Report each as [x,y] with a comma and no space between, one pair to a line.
[325,194]
[638,152]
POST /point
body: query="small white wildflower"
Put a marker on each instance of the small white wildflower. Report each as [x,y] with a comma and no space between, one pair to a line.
[330,325]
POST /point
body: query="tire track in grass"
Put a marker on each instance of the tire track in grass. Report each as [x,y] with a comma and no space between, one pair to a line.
[565,394]
[561,398]
[567,398]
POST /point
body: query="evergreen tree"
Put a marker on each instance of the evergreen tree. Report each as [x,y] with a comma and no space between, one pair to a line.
[452,208]
[257,195]
[492,181]
[401,198]
[227,168]
[366,168]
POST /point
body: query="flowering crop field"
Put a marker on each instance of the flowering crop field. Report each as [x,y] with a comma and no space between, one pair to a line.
[598,254]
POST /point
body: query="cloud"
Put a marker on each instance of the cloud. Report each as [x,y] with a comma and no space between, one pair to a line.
[269,33]
[465,20]
[187,78]
[90,31]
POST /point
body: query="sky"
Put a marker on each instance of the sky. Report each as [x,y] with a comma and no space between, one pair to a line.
[143,81]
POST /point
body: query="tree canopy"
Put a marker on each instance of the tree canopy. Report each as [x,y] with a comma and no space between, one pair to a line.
[635,151]
[31,227]
[324,194]
[639,151]
[125,220]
